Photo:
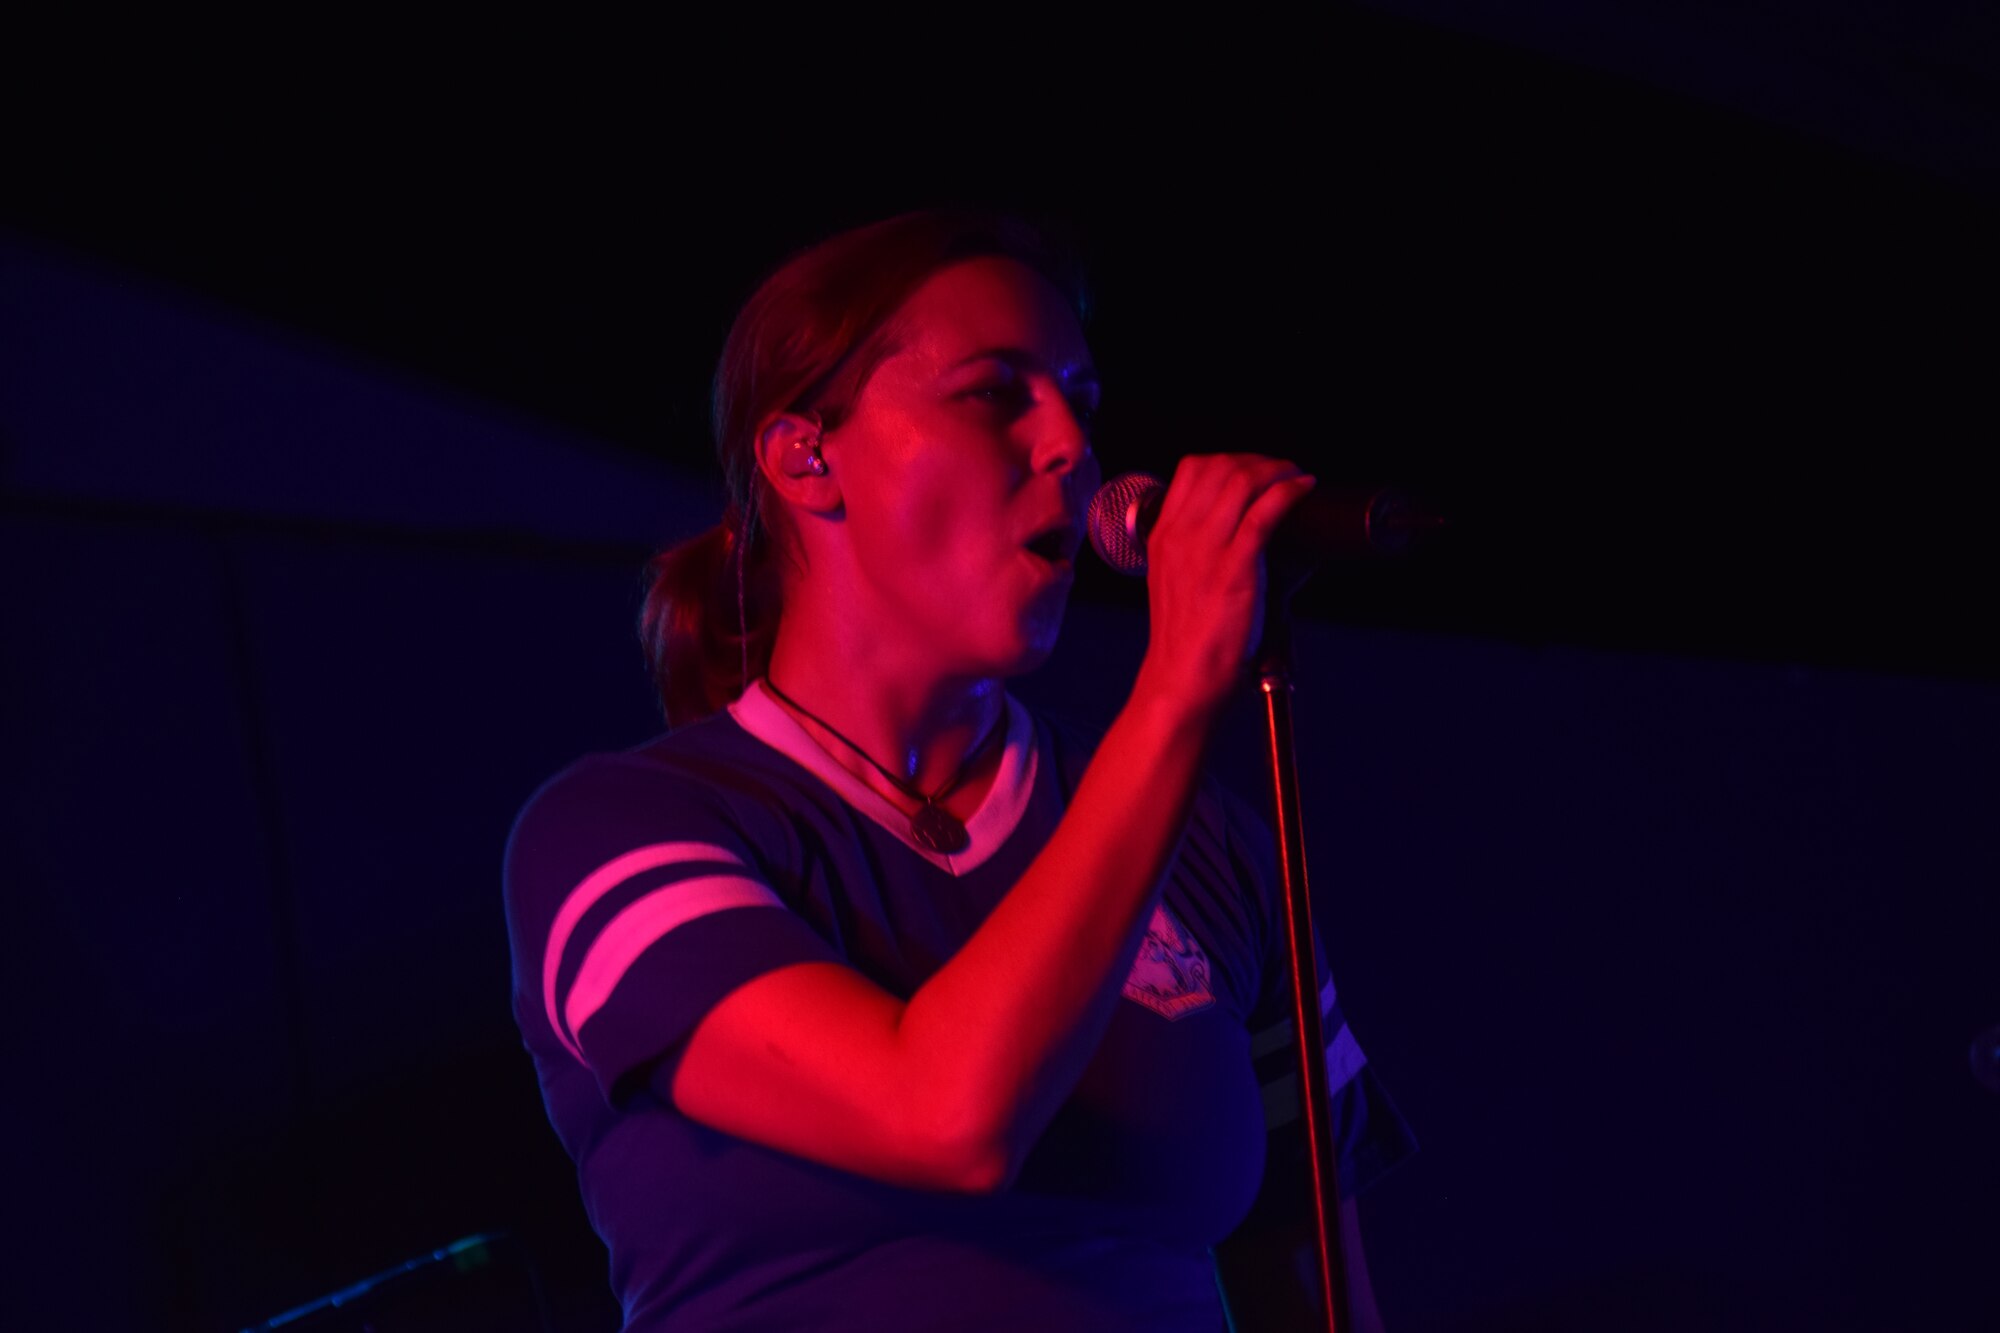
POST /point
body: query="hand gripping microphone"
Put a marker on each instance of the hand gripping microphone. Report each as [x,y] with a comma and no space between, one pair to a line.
[1331,523]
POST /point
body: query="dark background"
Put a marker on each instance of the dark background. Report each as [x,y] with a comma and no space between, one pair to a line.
[1652,809]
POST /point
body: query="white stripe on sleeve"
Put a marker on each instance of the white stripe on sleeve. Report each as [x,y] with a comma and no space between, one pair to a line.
[639,927]
[1280,1034]
[592,890]
[1343,1061]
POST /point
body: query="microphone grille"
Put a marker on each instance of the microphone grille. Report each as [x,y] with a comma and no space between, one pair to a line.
[1113,520]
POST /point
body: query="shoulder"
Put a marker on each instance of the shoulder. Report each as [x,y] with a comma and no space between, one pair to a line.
[600,786]
[1228,826]
[1219,813]
[1068,742]
[708,785]
[1228,847]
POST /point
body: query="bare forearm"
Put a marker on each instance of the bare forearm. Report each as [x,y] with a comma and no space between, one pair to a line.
[1041,976]
[950,1088]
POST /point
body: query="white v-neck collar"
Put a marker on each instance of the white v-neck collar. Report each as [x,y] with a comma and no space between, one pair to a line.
[998,815]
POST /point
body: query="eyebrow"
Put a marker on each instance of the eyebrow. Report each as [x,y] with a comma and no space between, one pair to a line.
[1078,374]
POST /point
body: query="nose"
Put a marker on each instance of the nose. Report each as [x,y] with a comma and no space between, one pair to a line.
[1062,443]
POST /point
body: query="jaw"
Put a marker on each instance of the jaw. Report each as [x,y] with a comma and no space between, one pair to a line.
[844,615]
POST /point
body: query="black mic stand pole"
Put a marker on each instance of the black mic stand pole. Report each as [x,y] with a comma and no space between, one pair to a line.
[1274,679]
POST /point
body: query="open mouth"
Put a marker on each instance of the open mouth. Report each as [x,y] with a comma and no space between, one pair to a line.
[1056,546]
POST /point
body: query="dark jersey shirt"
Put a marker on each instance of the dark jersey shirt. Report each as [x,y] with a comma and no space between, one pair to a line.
[643,887]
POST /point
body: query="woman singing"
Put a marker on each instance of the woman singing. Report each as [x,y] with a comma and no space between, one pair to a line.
[865,998]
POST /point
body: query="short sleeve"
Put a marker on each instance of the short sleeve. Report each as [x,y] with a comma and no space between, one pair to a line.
[1369,1135]
[635,903]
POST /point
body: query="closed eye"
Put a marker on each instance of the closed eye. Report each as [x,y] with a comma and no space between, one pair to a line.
[1085,402]
[1009,396]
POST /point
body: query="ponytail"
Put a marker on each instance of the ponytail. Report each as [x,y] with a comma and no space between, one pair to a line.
[706,633]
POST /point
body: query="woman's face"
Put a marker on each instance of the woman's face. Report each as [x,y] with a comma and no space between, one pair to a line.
[964,469]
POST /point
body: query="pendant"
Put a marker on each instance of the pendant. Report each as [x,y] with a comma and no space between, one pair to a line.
[936,830]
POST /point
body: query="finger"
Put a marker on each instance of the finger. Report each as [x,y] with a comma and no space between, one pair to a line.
[1207,473]
[1211,493]
[1265,513]
[1248,481]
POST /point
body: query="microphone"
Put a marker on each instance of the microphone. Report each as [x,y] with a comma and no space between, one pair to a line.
[1331,523]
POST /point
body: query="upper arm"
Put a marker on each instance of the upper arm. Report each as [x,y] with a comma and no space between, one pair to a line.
[1269,1275]
[807,1059]
[1369,1136]
[1276,1243]
[1268,1268]
[651,949]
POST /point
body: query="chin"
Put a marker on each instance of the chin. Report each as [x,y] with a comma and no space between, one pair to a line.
[1015,644]
[1017,656]
[1038,642]
[1029,661]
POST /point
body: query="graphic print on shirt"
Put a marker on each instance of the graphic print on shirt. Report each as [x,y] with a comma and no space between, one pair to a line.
[1170,976]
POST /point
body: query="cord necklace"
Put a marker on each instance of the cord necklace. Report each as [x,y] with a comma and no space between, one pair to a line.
[931,825]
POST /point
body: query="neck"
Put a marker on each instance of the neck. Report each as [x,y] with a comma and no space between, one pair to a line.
[919,724]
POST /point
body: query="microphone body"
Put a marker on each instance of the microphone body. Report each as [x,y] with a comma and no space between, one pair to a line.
[1331,523]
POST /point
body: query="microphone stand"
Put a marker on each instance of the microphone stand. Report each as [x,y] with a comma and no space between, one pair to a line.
[1274,679]
[1351,522]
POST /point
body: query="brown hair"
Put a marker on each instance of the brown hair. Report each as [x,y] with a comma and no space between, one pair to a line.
[806,341]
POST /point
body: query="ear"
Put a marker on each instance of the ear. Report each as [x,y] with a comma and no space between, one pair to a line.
[793,463]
